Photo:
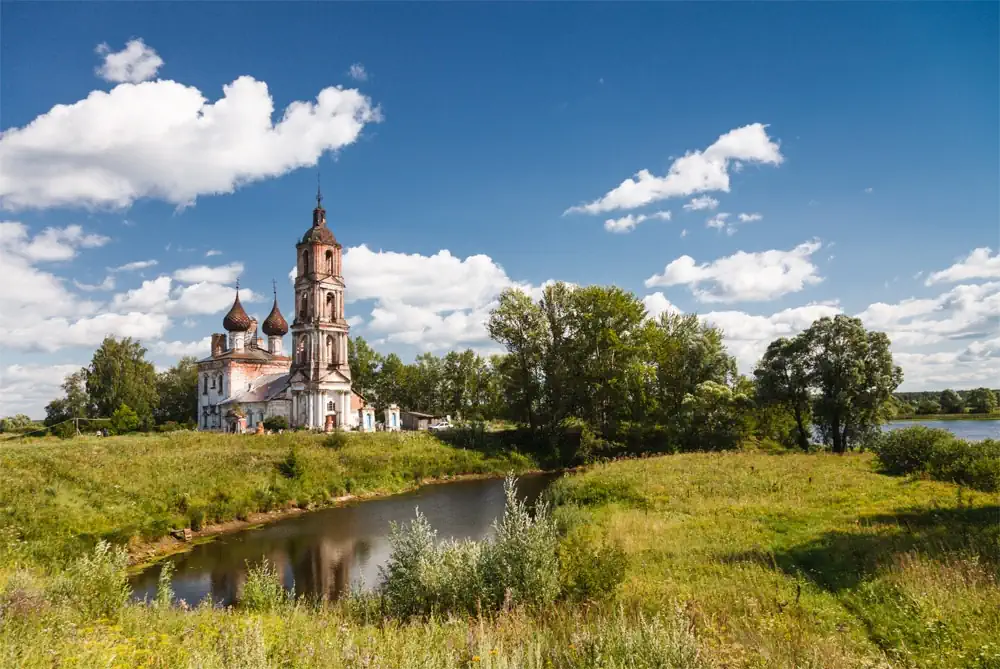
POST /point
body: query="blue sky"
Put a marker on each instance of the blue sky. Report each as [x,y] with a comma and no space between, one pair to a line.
[860,140]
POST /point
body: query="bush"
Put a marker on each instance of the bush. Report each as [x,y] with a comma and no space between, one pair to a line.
[124,420]
[518,566]
[941,455]
[291,467]
[64,430]
[275,423]
[588,572]
[263,590]
[96,583]
[336,440]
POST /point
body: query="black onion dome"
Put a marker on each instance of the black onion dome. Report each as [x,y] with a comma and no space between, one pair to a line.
[236,320]
[275,324]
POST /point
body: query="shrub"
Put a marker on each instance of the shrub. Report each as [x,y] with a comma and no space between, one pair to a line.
[595,491]
[336,439]
[942,456]
[124,420]
[196,518]
[263,590]
[910,449]
[275,423]
[164,592]
[96,583]
[589,572]
[291,467]
[518,566]
[65,430]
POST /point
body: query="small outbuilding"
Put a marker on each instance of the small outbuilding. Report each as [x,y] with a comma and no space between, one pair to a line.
[415,420]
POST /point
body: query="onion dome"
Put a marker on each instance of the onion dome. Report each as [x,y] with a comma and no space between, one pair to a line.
[236,320]
[275,324]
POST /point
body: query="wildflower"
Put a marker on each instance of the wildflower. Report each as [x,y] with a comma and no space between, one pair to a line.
[475,658]
[493,651]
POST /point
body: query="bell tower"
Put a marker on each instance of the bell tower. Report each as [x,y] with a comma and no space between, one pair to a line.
[320,373]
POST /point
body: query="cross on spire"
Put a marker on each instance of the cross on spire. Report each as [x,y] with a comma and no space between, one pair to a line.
[274,285]
[319,193]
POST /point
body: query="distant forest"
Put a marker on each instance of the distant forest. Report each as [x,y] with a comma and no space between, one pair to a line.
[935,395]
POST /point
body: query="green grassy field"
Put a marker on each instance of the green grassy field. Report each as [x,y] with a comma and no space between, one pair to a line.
[59,497]
[734,560]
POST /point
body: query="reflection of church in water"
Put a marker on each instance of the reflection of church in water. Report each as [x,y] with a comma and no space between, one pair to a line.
[244,380]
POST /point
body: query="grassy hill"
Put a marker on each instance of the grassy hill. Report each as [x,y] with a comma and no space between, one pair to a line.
[733,560]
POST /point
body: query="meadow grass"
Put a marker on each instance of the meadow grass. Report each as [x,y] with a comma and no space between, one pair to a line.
[58,498]
[732,560]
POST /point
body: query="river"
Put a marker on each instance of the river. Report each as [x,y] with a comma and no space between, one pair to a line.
[329,552]
[974,430]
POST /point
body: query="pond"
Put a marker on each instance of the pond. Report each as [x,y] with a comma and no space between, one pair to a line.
[974,430]
[329,552]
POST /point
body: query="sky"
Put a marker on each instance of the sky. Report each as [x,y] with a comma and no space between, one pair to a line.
[759,164]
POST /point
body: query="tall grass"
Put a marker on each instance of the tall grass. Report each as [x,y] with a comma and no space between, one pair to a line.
[59,498]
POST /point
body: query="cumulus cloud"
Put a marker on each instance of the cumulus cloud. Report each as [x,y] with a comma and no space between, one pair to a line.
[97,152]
[107,284]
[133,64]
[657,303]
[212,252]
[28,388]
[53,334]
[979,264]
[695,172]
[749,218]
[357,72]
[161,295]
[177,349]
[629,222]
[743,277]
[702,202]
[51,244]
[133,266]
[203,273]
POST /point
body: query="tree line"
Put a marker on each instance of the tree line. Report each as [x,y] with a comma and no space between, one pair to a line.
[950,402]
[585,360]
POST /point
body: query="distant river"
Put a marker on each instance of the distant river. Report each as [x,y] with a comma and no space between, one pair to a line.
[975,430]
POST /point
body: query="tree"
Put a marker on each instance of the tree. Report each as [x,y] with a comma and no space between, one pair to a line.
[518,324]
[390,384]
[927,406]
[854,377]
[364,363]
[119,374]
[982,400]
[951,402]
[124,420]
[783,379]
[75,402]
[177,389]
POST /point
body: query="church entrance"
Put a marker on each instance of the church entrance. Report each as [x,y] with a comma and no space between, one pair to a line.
[331,422]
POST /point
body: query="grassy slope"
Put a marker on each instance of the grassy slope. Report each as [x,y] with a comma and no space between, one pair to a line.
[806,560]
[777,561]
[61,496]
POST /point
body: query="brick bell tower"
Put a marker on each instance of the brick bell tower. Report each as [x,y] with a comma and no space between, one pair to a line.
[320,375]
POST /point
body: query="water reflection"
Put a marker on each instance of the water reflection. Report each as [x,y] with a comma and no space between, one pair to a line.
[327,553]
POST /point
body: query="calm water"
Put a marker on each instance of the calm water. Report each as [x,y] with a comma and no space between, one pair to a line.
[328,552]
[975,430]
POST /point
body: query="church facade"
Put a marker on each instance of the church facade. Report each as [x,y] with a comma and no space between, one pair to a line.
[245,380]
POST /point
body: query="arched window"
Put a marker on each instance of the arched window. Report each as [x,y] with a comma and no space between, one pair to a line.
[304,267]
[300,350]
[220,383]
[330,306]
[329,349]
[205,391]
[304,308]
[329,405]
[329,262]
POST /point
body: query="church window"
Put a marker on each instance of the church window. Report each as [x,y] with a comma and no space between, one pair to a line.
[213,383]
[220,383]
[329,349]
[300,350]
[329,262]
[205,391]
[304,268]
[329,307]
[329,405]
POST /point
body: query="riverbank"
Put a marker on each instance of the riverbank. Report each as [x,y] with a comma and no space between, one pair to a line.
[60,497]
[950,416]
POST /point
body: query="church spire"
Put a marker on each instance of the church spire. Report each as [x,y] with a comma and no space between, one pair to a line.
[319,214]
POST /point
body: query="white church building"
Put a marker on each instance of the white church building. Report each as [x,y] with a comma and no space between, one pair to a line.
[244,381]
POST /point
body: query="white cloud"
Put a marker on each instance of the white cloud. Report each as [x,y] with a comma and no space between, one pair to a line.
[684,233]
[760,276]
[695,172]
[51,244]
[629,222]
[107,284]
[749,218]
[28,388]
[177,349]
[657,303]
[203,273]
[718,221]
[98,152]
[132,266]
[135,63]
[702,202]
[160,295]
[212,252]
[869,189]
[978,265]
[358,72]
[53,334]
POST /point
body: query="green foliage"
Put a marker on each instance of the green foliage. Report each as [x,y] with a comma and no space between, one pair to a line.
[940,455]
[275,423]
[517,566]
[96,583]
[982,400]
[177,392]
[589,571]
[124,420]
[164,591]
[120,374]
[336,439]
[65,430]
[263,590]
[291,467]
[75,403]
[17,423]
[951,402]
[783,378]
[928,407]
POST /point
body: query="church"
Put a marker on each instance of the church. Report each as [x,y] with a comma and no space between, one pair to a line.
[245,380]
